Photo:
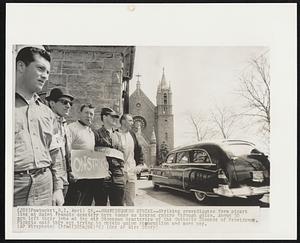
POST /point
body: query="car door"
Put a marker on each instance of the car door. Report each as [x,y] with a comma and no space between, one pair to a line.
[203,172]
[164,173]
[177,169]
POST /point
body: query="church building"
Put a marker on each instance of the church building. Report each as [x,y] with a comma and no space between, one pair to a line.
[154,124]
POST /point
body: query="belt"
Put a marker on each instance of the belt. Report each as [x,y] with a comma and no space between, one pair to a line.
[32,171]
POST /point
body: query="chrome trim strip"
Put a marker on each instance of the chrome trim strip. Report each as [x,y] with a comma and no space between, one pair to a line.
[174,164]
[175,188]
[186,169]
[194,169]
[159,176]
[209,194]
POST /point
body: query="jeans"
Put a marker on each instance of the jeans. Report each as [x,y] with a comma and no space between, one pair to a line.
[33,190]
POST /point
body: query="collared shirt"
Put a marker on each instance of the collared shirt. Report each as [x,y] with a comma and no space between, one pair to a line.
[128,148]
[33,133]
[34,129]
[82,137]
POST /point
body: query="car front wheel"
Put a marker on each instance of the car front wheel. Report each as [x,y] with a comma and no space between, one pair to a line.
[200,196]
[155,187]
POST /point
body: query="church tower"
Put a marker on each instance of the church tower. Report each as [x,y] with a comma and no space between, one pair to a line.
[164,117]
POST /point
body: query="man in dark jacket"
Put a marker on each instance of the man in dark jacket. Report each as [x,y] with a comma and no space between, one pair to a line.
[133,157]
[107,141]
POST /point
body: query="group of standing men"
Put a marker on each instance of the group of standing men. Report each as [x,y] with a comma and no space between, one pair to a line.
[43,143]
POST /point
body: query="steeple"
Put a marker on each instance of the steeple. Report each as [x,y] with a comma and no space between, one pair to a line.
[163,83]
[138,83]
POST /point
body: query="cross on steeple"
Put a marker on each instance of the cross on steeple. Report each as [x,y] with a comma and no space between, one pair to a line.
[138,76]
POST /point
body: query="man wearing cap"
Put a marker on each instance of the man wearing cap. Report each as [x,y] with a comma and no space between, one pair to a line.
[106,137]
[82,138]
[36,178]
[60,103]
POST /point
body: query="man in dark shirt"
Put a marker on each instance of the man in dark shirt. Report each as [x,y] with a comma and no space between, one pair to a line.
[106,138]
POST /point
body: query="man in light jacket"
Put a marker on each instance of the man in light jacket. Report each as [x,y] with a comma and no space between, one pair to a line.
[133,157]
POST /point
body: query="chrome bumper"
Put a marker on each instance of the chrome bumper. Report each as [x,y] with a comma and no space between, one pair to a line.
[245,191]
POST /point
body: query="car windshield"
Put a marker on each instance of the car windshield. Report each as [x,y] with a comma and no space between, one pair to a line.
[238,149]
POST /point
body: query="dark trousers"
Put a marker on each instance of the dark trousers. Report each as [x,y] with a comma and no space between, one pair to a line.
[100,190]
[72,196]
[113,192]
[65,191]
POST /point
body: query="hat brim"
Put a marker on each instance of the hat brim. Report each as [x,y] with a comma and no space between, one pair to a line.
[115,115]
[68,96]
[48,98]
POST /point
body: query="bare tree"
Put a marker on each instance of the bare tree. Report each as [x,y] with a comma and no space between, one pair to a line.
[255,89]
[225,121]
[201,126]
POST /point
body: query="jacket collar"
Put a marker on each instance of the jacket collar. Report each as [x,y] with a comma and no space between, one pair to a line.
[35,98]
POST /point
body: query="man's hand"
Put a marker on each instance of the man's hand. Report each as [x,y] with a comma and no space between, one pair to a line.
[138,169]
[58,198]
[71,178]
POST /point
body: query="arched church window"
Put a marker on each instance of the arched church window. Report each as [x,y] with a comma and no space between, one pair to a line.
[166,136]
[139,121]
[165,99]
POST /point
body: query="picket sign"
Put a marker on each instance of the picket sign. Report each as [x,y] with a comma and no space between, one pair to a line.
[110,152]
[88,164]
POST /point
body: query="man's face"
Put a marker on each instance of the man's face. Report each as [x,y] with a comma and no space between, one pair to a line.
[128,122]
[87,115]
[62,106]
[110,121]
[35,74]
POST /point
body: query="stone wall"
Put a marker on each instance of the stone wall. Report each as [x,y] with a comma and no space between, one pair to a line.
[92,74]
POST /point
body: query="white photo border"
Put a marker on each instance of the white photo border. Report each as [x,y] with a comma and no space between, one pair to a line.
[272,25]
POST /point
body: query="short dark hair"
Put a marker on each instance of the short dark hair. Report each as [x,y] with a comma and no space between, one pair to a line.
[123,117]
[90,106]
[26,55]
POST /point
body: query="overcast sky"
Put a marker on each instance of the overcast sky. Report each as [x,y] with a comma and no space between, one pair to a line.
[200,77]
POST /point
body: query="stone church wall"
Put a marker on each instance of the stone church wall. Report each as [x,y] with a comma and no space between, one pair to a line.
[144,111]
[91,74]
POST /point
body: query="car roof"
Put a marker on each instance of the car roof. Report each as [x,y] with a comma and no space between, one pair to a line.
[218,143]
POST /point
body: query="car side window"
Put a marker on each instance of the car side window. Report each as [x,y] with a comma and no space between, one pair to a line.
[170,159]
[182,157]
[200,156]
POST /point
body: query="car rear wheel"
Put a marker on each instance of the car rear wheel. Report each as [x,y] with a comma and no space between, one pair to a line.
[200,196]
[256,197]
